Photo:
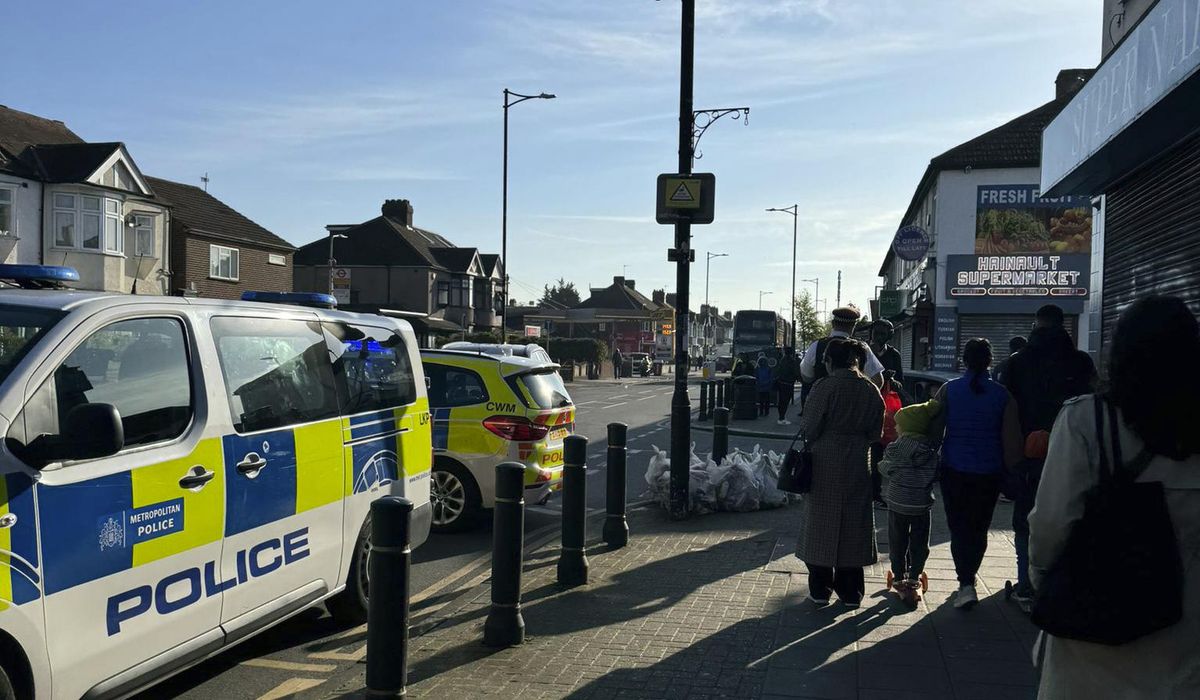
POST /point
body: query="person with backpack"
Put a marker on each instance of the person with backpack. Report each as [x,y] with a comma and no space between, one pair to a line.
[982,439]
[842,321]
[785,383]
[1016,344]
[1124,467]
[1041,377]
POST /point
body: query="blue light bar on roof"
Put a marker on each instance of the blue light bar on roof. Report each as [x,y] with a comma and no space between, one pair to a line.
[313,299]
[38,276]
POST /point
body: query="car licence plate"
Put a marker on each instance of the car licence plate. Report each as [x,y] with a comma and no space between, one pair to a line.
[559,433]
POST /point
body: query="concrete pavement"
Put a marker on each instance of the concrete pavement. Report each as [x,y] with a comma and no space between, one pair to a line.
[715,607]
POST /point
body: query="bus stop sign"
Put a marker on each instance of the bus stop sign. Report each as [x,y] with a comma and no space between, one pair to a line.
[685,199]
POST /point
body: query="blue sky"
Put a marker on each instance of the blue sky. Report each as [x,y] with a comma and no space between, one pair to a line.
[308,113]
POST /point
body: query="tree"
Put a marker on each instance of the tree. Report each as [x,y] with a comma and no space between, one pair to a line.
[809,326]
[563,295]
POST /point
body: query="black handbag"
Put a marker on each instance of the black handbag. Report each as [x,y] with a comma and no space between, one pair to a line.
[1125,525]
[796,474]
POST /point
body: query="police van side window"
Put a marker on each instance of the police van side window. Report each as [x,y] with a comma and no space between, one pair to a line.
[453,386]
[277,372]
[372,368]
[139,366]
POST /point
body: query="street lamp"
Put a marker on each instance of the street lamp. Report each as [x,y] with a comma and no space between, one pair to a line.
[707,264]
[504,206]
[332,236]
[816,292]
[760,296]
[794,210]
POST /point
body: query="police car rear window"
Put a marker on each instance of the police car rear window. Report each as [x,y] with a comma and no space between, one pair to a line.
[277,372]
[546,389]
[20,329]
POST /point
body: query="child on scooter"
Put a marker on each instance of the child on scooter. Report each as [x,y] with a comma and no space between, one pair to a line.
[910,463]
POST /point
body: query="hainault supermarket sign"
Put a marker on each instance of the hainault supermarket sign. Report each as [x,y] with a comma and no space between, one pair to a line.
[1017,276]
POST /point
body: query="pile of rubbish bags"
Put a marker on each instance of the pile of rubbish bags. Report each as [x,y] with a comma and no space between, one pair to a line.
[742,482]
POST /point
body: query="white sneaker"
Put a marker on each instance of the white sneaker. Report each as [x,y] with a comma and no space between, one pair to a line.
[783,422]
[966,598]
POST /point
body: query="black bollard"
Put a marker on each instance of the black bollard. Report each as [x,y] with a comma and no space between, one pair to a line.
[387,597]
[720,434]
[728,392]
[572,562]
[703,401]
[712,397]
[505,627]
[720,383]
[616,529]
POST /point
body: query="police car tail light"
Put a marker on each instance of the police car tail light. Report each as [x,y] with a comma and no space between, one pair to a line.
[515,428]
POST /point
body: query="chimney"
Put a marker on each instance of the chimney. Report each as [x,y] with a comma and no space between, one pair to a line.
[630,284]
[728,315]
[398,210]
[1069,81]
[659,296]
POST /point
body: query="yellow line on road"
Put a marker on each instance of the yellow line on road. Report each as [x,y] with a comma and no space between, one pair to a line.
[290,666]
[290,687]
[340,655]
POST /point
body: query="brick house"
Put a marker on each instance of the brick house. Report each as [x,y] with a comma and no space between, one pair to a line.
[218,253]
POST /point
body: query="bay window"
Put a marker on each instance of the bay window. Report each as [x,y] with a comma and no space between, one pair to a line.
[64,220]
[114,232]
[143,236]
[223,263]
[7,215]
[88,222]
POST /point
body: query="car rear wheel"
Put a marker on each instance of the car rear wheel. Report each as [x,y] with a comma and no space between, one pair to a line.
[350,606]
[454,498]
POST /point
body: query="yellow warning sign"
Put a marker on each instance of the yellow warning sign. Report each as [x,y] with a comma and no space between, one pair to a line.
[682,193]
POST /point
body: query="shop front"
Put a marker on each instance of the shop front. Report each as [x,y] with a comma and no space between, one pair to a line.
[1131,139]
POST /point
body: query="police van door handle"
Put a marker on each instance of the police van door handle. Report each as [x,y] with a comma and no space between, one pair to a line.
[251,465]
[7,520]
[196,477]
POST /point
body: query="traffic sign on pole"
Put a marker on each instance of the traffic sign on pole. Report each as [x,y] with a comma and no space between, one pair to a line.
[685,198]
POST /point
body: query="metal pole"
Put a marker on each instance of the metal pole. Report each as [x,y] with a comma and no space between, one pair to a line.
[712,397]
[720,391]
[839,291]
[681,407]
[703,415]
[572,561]
[331,263]
[616,528]
[387,604]
[504,228]
[720,434]
[505,626]
[792,304]
[704,325]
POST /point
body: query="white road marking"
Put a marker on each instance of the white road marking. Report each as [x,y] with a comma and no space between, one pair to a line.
[290,687]
[614,405]
[290,666]
[647,398]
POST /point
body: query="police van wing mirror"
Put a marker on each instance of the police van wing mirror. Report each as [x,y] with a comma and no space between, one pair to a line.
[90,431]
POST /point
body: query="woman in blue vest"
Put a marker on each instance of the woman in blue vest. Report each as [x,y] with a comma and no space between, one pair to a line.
[982,439]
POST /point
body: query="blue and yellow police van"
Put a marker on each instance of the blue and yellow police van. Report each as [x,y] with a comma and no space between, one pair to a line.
[177,474]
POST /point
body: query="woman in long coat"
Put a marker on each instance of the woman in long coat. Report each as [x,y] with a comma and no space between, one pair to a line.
[843,416]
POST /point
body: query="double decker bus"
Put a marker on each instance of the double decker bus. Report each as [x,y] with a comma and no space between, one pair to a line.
[756,330]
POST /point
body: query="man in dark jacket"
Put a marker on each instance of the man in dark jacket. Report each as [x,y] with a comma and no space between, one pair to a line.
[1016,344]
[882,332]
[1043,375]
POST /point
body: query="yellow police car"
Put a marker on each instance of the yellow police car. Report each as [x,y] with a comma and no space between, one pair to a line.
[487,409]
[178,474]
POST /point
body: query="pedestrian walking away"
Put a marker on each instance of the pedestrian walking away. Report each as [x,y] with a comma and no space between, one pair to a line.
[836,536]
[1154,407]
[882,332]
[842,321]
[910,463]
[982,439]
[618,362]
[764,381]
[1043,375]
[785,382]
[1016,344]
[891,404]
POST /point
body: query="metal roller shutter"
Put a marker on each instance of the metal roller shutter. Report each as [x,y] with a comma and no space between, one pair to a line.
[904,344]
[1000,328]
[1152,234]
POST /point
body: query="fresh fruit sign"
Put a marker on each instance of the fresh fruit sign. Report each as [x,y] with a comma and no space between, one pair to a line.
[1014,219]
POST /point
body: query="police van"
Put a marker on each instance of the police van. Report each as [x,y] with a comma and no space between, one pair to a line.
[178,474]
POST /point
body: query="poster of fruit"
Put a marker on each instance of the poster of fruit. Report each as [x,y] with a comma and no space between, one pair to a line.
[1016,219]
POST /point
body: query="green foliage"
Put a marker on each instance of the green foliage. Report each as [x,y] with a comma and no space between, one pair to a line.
[563,295]
[568,350]
[809,326]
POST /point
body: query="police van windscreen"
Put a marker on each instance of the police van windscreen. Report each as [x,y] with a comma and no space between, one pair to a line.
[546,389]
[20,329]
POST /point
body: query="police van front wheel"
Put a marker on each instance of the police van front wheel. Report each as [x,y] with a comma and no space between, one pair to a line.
[6,688]
[350,606]
[454,497]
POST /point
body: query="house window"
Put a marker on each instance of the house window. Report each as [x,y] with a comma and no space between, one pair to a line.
[89,220]
[459,292]
[83,221]
[114,232]
[481,294]
[6,212]
[647,326]
[64,220]
[443,294]
[223,263]
[276,259]
[143,236]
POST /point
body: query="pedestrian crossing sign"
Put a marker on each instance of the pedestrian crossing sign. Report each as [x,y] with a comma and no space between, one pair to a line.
[685,198]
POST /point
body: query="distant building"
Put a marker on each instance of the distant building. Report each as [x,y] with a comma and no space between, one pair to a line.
[215,251]
[996,249]
[64,201]
[618,314]
[387,264]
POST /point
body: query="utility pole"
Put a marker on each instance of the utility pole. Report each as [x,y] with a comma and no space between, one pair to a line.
[681,405]
[839,291]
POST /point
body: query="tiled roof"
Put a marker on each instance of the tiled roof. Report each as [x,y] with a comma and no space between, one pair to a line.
[200,212]
[379,241]
[20,130]
[617,296]
[68,162]
[454,259]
